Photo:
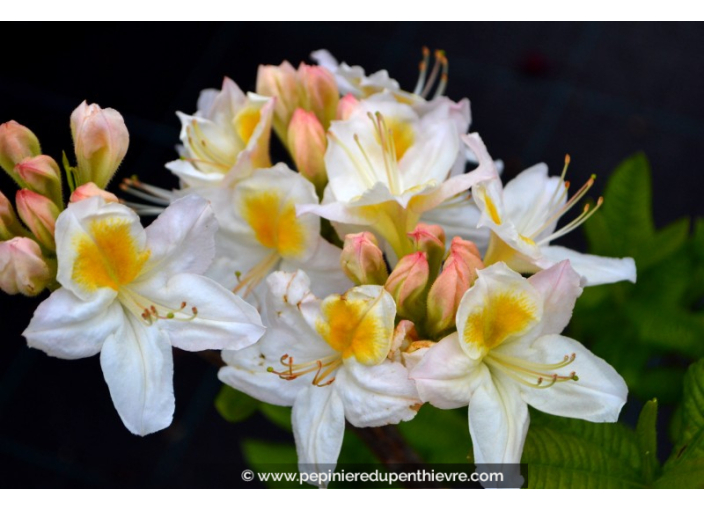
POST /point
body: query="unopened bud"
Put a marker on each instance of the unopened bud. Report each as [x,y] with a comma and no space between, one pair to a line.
[346,106]
[430,239]
[100,141]
[280,82]
[407,284]
[10,225]
[362,260]
[458,274]
[22,268]
[318,92]
[91,190]
[16,143]
[42,174]
[39,214]
[307,144]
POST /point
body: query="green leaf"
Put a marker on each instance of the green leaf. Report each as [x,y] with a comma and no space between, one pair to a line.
[278,415]
[234,405]
[685,467]
[627,209]
[267,457]
[566,453]
[693,402]
[647,440]
[439,436]
[664,243]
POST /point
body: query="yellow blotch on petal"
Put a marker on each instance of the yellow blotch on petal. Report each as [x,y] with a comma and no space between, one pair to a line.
[107,256]
[274,222]
[502,316]
[491,208]
[354,327]
[402,134]
[246,122]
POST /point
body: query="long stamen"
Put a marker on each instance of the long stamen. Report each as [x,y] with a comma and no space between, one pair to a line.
[366,173]
[522,370]
[423,67]
[439,54]
[295,370]
[150,312]
[204,150]
[586,214]
[256,274]
[443,78]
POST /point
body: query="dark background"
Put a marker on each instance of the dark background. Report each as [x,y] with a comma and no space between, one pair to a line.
[538,90]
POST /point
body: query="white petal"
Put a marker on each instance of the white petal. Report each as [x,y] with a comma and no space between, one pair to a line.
[560,286]
[597,270]
[73,227]
[498,421]
[246,371]
[138,367]
[67,327]
[318,420]
[222,321]
[377,395]
[459,216]
[432,156]
[191,176]
[182,238]
[324,270]
[445,376]
[530,199]
[597,396]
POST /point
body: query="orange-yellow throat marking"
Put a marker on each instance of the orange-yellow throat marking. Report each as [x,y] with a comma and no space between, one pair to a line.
[502,316]
[274,222]
[352,328]
[108,256]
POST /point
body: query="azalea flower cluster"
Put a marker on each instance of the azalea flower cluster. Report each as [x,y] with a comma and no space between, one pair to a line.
[382,270]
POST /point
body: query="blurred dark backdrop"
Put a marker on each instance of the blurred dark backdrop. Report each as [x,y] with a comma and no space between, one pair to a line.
[538,90]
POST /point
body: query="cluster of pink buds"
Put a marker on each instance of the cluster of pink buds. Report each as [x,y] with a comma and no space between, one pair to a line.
[27,245]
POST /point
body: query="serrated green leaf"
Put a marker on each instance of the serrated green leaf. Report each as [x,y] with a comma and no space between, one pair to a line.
[668,329]
[693,402]
[685,468]
[564,453]
[627,208]
[278,415]
[663,245]
[647,440]
[234,405]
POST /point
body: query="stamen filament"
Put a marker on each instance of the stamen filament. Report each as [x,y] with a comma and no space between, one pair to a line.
[255,275]
[423,67]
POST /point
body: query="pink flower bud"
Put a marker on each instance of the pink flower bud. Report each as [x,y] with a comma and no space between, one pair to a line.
[407,283]
[431,240]
[16,143]
[91,190]
[39,214]
[319,92]
[458,275]
[22,268]
[362,260]
[42,174]
[307,144]
[346,106]
[10,225]
[280,82]
[100,141]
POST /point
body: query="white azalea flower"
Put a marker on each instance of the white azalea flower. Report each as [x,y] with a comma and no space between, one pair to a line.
[327,359]
[508,352]
[523,217]
[229,134]
[131,293]
[387,165]
[260,232]
[354,80]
